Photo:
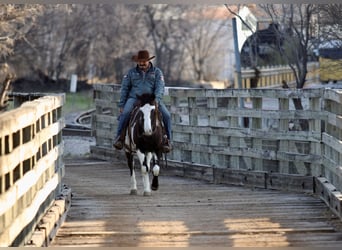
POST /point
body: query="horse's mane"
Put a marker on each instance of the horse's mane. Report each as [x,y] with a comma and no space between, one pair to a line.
[146,98]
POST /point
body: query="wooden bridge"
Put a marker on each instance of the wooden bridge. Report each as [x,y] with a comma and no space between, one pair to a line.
[243,172]
[187,212]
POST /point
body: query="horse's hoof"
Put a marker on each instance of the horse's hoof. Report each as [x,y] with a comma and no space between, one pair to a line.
[155,183]
[133,192]
[147,193]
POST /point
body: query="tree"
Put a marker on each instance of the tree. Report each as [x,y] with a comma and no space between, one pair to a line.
[40,51]
[329,41]
[97,41]
[15,21]
[92,41]
[5,80]
[163,24]
[329,21]
[205,35]
[295,33]
[187,40]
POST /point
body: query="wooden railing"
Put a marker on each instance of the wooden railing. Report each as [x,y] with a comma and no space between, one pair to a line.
[260,144]
[31,165]
[272,76]
[331,151]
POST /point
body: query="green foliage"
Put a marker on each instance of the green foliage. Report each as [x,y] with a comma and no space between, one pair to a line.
[79,101]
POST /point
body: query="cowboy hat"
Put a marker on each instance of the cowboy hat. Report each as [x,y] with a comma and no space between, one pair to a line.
[143,55]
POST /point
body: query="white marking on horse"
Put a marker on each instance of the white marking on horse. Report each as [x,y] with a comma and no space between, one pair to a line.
[146,110]
[145,169]
[133,183]
[133,143]
[156,170]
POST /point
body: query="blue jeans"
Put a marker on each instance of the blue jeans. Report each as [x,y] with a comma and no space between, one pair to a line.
[124,116]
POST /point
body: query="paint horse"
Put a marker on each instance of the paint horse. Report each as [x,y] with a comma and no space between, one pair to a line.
[143,138]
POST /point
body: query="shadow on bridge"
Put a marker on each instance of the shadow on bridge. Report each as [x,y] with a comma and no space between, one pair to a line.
[186,212]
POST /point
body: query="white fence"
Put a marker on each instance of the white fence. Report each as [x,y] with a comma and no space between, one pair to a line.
[31,166]
[272,76]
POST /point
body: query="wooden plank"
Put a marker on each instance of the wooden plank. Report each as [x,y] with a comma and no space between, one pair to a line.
[240,177]
[310,136]
[28,213]
[333,142]
[106,133]
[290,182]
[241,112]
[333,94]
[329,194]
[25,151]
[271,93]
[187,212]
[26,185]
[105,118]
[106,87]
[51,221]
[334,170]
[106,103]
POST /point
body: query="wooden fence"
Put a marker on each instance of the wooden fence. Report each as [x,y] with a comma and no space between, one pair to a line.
[250,137]
[31,167]
[272,76]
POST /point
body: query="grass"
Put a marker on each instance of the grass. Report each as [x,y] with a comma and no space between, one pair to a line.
[79,101]
[74,102]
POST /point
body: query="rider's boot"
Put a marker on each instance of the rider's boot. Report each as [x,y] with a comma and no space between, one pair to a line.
[119,140]
[166,145]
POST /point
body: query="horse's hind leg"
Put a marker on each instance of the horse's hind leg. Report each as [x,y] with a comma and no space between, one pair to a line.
[155,172]
[133,182]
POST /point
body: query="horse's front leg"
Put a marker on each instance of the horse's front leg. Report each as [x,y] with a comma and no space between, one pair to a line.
[145,169]
[133,182]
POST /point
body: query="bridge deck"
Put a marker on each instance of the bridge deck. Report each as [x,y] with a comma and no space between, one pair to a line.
[187,212]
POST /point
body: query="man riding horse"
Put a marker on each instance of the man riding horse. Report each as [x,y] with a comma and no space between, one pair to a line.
[144,78]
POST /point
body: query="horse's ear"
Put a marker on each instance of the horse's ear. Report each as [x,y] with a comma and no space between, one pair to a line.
[153,96]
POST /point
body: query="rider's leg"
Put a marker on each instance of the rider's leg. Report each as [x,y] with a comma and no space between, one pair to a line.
[167,124]
[166,119]
[123,121]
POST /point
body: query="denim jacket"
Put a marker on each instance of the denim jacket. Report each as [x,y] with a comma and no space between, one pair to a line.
[138,82]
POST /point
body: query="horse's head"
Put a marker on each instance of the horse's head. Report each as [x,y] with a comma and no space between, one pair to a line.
[149,113]
[145,98]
